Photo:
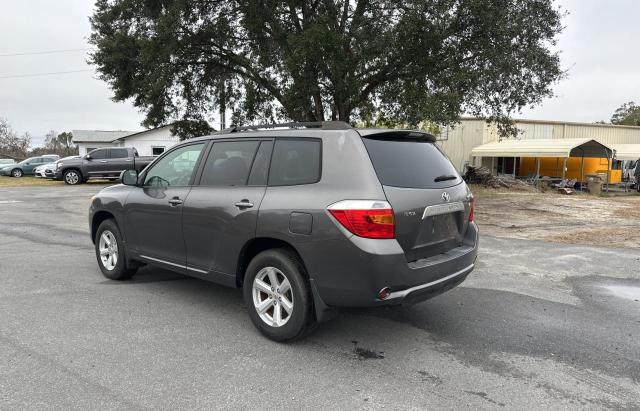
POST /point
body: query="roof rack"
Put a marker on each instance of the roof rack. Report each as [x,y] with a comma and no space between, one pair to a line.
[323,125]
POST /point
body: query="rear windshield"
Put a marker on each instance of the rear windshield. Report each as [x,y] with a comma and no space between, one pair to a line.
[410,163]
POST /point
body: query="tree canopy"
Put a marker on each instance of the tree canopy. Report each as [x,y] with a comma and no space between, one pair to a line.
[12,145]
[383,61]
[628,114]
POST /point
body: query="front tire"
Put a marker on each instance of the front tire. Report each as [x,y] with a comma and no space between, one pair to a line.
[72,177]
[278,296]
[17,173]
[110,252]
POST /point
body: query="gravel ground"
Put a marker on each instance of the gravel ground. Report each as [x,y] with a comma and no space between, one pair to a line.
[538,325]
[575,219]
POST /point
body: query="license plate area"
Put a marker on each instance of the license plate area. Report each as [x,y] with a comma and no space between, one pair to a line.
[441,209]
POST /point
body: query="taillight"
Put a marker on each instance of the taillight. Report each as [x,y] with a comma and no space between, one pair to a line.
[472,206]
[365,218]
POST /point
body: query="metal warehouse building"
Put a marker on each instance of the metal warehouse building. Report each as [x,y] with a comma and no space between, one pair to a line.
[459,142]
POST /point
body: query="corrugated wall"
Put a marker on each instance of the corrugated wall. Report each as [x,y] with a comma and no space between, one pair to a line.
[458,142]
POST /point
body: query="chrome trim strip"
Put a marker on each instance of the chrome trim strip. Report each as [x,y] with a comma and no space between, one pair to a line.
[197,270]
[404,293]
[162,261]
[174,264]
[442,209]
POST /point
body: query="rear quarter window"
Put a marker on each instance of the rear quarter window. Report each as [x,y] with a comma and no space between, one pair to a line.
[410,163]
[295,162]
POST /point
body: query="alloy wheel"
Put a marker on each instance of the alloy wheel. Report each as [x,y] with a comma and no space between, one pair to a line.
[17,172]
[71,177]
[272,296]
[108,246]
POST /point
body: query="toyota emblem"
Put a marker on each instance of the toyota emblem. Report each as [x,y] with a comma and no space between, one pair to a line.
[446,197]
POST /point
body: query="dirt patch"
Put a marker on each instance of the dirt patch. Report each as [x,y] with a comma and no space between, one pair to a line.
[576,219]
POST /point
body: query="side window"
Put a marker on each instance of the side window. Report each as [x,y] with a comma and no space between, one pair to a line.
[119,153]
[229,163]
[295,162]
[176,168]
[99,154]
[260,169]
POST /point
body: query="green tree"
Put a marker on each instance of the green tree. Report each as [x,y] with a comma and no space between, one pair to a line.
[65,139]
[12,145]
[376,61]
[627,114]
[61,144]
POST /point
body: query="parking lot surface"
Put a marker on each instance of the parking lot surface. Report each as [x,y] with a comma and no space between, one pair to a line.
[537,325]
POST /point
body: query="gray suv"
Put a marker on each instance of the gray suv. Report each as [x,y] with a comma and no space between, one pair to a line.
[305,218]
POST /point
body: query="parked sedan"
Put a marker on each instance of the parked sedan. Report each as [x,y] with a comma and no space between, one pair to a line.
[39,171]
[48,170]
[26,167]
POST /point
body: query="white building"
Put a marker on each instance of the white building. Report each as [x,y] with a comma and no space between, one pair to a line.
[148,142]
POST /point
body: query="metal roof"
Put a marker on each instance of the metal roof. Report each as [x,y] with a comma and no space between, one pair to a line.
[627,151]
[99,136]
[570,147]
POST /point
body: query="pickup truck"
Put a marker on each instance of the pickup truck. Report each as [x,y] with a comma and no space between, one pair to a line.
[104,163]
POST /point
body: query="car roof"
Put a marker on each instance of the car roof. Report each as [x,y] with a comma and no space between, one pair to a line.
[316,133]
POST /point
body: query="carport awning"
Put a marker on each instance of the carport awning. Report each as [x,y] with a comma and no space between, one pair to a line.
[571,147]
[627,151]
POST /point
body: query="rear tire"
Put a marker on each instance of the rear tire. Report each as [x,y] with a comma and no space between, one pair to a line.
[110,252]
[17,173]
[278,296]
[72,177]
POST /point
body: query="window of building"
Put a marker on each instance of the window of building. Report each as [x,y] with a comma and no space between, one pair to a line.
[156,151]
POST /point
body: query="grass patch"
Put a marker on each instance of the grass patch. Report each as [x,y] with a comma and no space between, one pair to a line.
[27,181]
[30,181]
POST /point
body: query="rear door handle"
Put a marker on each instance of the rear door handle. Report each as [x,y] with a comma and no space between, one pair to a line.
[175,201]
[244,204]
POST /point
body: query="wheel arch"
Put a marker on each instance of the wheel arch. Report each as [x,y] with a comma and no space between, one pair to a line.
[97,219]
[257,245]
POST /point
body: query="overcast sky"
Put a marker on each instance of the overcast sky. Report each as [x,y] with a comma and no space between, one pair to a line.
[599,49]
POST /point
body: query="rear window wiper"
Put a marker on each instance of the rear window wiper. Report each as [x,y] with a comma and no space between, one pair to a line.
[445,177]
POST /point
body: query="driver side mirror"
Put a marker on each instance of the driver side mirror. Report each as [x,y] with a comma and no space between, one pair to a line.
[87,157]
[129,177]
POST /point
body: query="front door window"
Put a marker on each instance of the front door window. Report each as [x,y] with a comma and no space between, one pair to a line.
[176,168]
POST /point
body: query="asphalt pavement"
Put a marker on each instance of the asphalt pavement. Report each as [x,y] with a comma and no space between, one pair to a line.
[537,326]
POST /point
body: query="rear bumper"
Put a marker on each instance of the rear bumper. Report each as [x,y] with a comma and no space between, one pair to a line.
[361,268]
[57,175]
[431,289]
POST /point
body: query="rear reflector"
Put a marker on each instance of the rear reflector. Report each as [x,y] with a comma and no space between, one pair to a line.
[384,293]
[365,218]
[472,206]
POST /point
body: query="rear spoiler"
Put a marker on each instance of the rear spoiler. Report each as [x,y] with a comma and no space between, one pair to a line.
[400,135]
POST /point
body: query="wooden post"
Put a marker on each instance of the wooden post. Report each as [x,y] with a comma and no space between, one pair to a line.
[537,170]
[564,167]
[582,174]
[514,168]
